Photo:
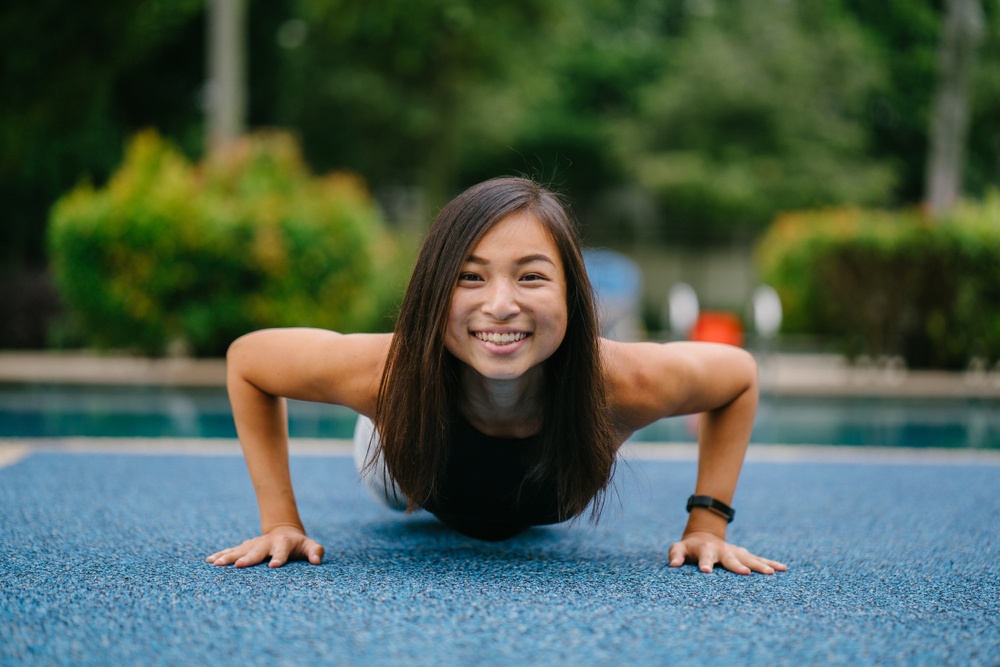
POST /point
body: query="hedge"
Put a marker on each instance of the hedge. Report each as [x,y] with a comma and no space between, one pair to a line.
[174,255]
[891,282]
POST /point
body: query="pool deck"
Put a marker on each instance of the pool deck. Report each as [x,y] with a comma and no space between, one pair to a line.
[103,545]
[95,369]
[780,375]
[13,450]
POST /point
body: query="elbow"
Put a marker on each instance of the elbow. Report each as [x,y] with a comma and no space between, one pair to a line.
[237,355]
[235,350]
[750,372]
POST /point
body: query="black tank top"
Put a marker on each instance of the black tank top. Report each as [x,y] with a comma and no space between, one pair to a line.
[485,492]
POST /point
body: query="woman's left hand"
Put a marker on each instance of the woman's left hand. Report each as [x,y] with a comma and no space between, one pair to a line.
[707,549]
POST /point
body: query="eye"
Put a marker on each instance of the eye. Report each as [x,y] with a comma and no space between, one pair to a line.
[468,277]
[531,277]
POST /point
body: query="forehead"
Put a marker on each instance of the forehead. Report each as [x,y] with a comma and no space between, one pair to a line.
[517,236]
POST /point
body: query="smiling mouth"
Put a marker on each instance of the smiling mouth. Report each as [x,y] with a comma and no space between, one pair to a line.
[500,339]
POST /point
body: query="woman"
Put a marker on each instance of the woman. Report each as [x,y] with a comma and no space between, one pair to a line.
[497,406]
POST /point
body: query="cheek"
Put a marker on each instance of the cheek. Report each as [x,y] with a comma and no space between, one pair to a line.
[455,327]
[557,317]
[457,311]
[561,325]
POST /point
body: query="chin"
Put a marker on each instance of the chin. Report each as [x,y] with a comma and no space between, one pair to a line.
[494,373]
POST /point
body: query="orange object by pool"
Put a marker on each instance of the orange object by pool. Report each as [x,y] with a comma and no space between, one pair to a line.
[715,327]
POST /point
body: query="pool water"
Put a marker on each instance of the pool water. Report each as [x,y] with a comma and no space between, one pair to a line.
[39,411]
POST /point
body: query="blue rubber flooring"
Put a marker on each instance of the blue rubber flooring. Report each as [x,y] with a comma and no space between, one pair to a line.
[102,563]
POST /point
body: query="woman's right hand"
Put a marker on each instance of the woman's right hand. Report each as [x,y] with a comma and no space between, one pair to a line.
[282,544]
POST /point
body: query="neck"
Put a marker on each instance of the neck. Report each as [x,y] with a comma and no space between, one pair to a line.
[503,408]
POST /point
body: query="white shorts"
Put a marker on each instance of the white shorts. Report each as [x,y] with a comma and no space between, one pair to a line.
[376,476]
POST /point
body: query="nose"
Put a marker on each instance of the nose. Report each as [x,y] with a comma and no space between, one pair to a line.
[501,300]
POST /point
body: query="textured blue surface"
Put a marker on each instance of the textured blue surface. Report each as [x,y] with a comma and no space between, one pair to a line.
[102,562]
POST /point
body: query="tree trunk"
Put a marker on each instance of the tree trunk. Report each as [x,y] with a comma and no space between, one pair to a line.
[962,32]
[226,91]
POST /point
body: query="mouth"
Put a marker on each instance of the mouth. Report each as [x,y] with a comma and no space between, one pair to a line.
[501,339]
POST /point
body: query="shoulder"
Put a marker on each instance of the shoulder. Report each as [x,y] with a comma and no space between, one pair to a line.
[650,381]
[637,380]
[313,365]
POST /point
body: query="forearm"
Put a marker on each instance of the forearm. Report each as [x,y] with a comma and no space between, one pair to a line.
[723,436]
[262,427]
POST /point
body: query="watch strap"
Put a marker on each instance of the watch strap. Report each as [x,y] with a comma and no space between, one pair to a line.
[711,503]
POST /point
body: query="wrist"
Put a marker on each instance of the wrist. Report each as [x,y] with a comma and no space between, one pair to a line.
[704,520]
[275,526]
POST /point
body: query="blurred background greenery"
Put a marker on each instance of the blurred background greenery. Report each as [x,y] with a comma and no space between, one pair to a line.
[679,129]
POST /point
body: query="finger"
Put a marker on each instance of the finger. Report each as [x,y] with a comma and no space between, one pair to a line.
[253,556]
[762,565]
[730,561]
[279,553]
[709,557]
[228,558]
[677,554]
[758,565]
[315,552]
[218,554]
[780,567]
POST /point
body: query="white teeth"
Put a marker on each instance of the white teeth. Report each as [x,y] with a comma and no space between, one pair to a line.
[501,339]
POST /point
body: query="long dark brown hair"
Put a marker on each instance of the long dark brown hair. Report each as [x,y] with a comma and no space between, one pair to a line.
[418,395]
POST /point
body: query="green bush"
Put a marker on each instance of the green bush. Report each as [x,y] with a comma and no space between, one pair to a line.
[885,282]
[171,254]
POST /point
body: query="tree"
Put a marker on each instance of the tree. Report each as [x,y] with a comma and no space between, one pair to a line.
[761,110]
[77,80]
[961,35]
[391,88]
[226,77]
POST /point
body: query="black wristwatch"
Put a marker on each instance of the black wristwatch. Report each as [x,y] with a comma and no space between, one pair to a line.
[711,503]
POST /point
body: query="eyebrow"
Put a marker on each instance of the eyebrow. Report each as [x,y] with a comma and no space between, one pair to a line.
[527,259]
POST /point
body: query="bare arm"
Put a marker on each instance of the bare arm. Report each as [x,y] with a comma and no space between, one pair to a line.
[262,369]
[651,381]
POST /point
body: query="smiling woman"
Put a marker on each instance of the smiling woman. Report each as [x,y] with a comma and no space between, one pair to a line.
[494,405]
[501,259]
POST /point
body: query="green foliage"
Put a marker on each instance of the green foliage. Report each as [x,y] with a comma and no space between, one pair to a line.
[446,93]
[169,253]
[891,282]
[904,35]
[760,111]
[403,79]
[77,78]
[982,168]
[579,78]
[726,110]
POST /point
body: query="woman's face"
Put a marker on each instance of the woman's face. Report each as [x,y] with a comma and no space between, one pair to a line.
[508,311]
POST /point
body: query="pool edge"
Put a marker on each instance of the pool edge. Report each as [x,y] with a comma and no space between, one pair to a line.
[13,450]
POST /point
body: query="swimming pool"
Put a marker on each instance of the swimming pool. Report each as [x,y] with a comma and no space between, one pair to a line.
[39,411]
